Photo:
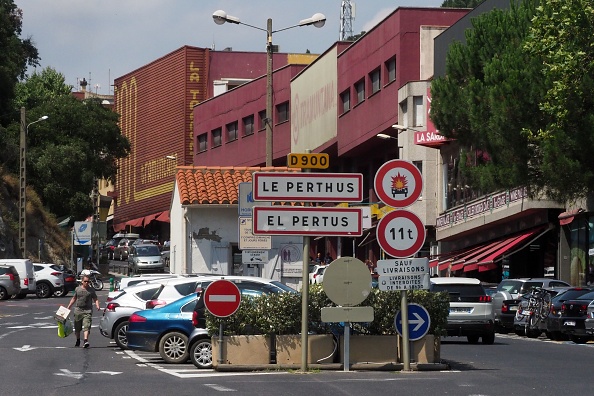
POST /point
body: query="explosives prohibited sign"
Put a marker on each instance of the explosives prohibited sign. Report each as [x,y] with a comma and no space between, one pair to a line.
[398,183]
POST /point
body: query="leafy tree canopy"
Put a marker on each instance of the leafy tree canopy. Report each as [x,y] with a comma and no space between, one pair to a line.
[490,96]
[461,3]
[15,55]
[78,143]
[561,35]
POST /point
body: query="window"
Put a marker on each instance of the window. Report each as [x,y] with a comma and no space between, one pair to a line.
[418,113]
[232,131]
[404,113]
[261,119]
[374,80]
[216,137]
[419,165]
[202,139]
[282,111]
[391,70]
[360,89]
[248,125]
[345,98]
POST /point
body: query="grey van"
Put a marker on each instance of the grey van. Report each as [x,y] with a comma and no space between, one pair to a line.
[143,258]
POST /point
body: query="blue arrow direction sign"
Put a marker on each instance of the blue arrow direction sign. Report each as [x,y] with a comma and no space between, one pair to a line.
[418,322]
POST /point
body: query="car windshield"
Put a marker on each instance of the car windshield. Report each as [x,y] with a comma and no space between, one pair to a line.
[152,250]
[459,290]
[570,294]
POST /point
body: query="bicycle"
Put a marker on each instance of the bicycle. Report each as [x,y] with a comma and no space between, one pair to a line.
[535,310]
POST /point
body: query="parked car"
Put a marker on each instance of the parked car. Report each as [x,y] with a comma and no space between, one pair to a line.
[10,282]
[138,280]
[26,273]
[145,257]
[512,289]
[141,241]
[317,271]
[48,278]
[114,321]
[122,249]
[521,322]
[553,320]
[573,318]
[107,249]
[70,282]
[471,310]
[589,323]
[164,329]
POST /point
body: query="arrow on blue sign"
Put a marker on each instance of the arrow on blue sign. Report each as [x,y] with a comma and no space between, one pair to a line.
[419,322]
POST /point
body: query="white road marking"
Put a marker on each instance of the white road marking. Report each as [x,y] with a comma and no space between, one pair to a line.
[220,388]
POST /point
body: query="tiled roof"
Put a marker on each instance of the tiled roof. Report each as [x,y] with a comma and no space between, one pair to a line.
[201,185]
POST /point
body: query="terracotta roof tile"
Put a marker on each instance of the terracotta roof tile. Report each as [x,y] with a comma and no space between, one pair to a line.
[202,185]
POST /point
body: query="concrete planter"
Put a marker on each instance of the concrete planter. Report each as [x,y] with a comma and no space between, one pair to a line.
[371,349]
[320,349]
[242,350]
[425,350]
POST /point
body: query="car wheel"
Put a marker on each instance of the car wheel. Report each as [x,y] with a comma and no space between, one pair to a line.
[119,335]
[60,292]
[173,347]
[3,294]
[201,353]
[43,290]
[473,339]
[489,339]
[578,339]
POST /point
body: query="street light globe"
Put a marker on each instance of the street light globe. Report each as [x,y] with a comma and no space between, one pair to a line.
[319,20]
[43,118]
[219,17]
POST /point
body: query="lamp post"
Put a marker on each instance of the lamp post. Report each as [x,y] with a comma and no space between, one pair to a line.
[23,181]
[318,20]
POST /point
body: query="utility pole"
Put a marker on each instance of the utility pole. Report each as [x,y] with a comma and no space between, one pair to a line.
[23,186]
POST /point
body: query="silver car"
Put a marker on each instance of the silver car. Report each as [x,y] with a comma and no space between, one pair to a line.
[114,322]
[10,282]
[142,258]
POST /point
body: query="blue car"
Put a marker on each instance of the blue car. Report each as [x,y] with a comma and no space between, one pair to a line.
[165,329]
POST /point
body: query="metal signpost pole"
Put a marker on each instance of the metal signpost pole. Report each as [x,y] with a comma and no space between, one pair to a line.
[405,337]
[305,295]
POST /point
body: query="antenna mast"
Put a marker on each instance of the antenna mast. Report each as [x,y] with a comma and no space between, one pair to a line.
[347,15]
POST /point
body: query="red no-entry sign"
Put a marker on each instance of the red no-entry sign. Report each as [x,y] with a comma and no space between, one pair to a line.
[222,298]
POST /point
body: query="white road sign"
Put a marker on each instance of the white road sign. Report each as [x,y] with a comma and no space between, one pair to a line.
[401,233]
[299,220]
[403,274]
[246,200]
[247,240]
[254,256]
[308,187]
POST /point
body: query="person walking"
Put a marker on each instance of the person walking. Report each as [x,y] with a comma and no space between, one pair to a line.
[83,299]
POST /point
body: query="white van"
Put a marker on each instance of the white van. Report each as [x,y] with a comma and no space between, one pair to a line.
[25,269]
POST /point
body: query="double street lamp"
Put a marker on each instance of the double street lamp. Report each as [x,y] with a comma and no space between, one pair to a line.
[318,20]
[23,181]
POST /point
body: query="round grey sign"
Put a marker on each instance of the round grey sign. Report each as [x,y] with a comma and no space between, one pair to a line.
[347,281]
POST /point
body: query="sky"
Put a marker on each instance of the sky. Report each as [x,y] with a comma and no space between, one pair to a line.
[101,40]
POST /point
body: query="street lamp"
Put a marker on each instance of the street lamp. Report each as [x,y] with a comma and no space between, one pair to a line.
[318,20]
[23,181]
[384,136]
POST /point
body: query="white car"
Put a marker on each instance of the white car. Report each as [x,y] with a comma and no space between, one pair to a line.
[315,271]
[137,280]
[471,311]
[49,278]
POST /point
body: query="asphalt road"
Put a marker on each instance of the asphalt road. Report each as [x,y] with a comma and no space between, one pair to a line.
[33,360]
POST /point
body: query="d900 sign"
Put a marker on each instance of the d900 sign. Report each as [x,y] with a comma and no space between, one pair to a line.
[308,161]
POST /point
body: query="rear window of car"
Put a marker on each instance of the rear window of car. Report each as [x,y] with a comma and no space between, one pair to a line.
[510,286]
[459,290]
[186,288]
[570,294]
[147,294]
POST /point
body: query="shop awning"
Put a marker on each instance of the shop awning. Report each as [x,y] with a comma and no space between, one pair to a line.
[567,217]
[149,218]
[164,217]
[433,263]
[119,227]
[519,241]
[135,222]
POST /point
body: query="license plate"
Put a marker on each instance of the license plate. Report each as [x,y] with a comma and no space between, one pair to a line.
[569,323]
[460,310]
[513,308]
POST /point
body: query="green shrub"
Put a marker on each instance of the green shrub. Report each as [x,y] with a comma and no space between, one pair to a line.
[281,313]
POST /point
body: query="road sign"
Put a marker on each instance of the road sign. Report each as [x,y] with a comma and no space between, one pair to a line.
[347,314]
[347,281]
[398,183]
[308,161]
[254,256]
[247,240]
[308,187]
[403,274]
[222,298]
[300,220]
[246,200]
[401,233]
[83,231]
[419,322]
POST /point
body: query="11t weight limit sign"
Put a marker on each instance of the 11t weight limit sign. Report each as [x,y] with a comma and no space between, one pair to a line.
[401,233]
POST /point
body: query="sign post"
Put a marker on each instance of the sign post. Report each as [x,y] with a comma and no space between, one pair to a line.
[222,299]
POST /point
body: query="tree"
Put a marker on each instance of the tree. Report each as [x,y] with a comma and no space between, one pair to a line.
[15,56]
[461,3]
[40,88]
[561,35]
[489,98]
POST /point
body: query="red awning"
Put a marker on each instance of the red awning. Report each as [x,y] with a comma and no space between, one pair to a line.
[487,267]
[149,218]
[135,222]
[433,263]
[164,217]
[567,217]
[456,267]
[470,254]
[510,244]
[444,265]
[470,267]
[119,227]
